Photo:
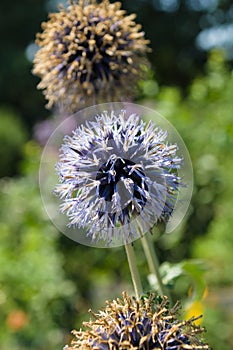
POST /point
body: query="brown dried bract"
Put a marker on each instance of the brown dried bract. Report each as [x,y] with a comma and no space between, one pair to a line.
[90,53]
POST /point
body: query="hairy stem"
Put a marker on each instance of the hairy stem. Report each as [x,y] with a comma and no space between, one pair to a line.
[153,263]
[134,270]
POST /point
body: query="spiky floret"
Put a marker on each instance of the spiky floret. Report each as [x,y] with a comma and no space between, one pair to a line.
[142,324]
[118,177]
[89,52]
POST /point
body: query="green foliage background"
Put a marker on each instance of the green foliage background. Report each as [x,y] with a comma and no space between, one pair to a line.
[47,282]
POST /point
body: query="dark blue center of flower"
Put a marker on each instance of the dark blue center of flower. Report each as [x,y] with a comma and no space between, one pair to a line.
[142,328]
[118,169]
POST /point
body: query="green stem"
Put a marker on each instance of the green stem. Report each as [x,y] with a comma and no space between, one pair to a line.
[134,270]
[153,263]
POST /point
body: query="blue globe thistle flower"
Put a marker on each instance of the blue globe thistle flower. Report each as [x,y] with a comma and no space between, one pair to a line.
[118,177]
[89,52]
[142,324]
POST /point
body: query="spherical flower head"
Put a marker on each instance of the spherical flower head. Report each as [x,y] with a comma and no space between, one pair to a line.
[89,52]
[138,324]
[118,177]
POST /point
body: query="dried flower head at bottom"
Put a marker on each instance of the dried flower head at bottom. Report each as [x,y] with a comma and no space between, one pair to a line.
[89,52]
[143,324]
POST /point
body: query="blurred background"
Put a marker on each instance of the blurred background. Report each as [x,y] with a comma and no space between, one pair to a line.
[48,282]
